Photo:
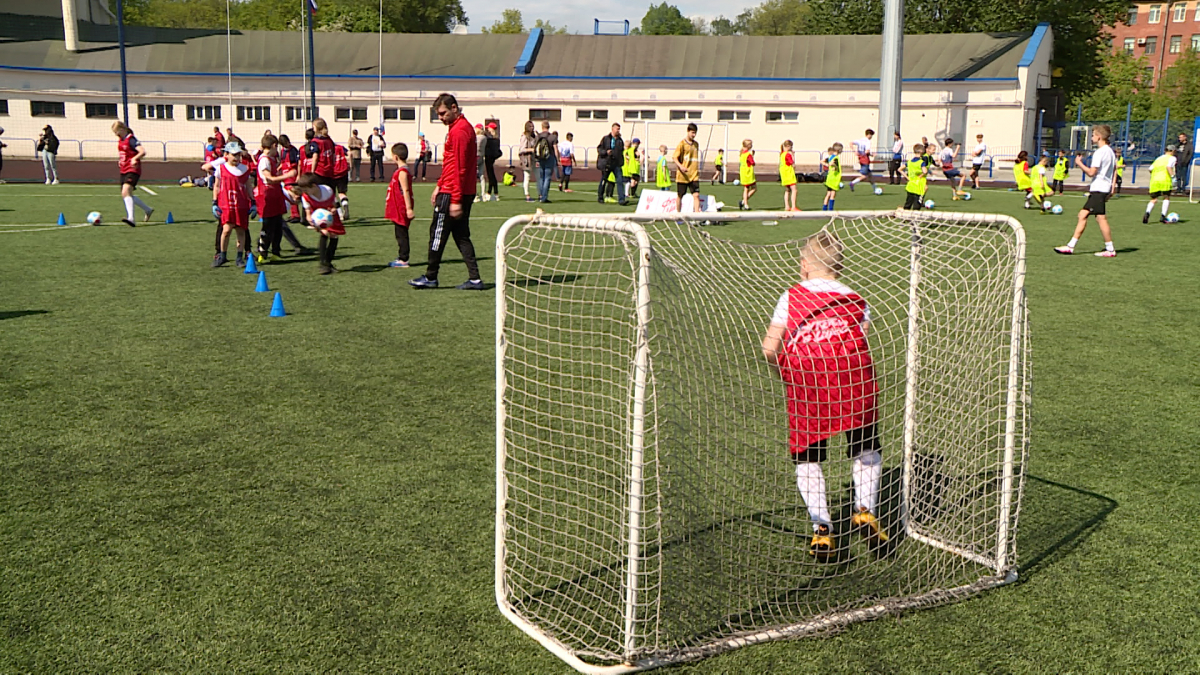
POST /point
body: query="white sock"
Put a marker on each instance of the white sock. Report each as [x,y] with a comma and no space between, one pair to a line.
[140,204]
[1108,246]
[868,467]
[1149,207]
[1166,206]
[128,207]
[1071,244]
[811,482]
[525,183]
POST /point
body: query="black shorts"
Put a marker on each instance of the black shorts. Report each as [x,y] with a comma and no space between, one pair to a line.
[1095,203]
[912,201]
[858,441]
[975,168]
[325,180]
[1155,194]
[341,184]
[131,178]
[683,188]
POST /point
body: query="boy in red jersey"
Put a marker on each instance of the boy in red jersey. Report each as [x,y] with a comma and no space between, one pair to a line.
[399,208]
[129,162]
[316,195]
[817,342]
[268,194]
[452,197]
[321,155]
[341,180]
[234,201]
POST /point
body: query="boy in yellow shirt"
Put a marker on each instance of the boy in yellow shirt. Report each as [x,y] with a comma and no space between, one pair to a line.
[687,167]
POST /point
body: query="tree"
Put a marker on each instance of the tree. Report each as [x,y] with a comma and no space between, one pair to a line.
[1122,81]
[549,28]
[1179,89]
[778,17]
[723,26]
[510,23]
[665,19]
[699,25]
[406,16]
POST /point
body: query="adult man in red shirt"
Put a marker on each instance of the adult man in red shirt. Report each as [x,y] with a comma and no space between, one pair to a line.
[452,197]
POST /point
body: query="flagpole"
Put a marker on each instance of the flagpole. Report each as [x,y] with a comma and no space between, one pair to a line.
[312,63]
[121,40]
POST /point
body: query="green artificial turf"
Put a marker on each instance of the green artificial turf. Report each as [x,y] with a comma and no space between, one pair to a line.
[190,486]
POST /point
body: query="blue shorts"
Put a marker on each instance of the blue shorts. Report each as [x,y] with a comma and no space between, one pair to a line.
[951,173]
[864,169]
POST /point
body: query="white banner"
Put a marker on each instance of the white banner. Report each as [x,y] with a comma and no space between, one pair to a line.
[663,201]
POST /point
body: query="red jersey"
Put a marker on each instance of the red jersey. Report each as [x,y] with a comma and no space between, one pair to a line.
[126,150]
[341,166]
[424,147]
[396,209]
[269,196]
[210,153]
[325,156]
[327,201]
[219,142]
[826,365]
[459,159]
[232,195]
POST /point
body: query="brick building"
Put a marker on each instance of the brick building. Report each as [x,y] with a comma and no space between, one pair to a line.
[1159,31]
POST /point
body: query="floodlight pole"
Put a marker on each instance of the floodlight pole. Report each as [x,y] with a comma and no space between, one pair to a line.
[890,73]
[121,43]
[312,64]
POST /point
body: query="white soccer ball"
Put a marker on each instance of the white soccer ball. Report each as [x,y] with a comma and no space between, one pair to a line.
[967,196]
[93,218]
[1047,205]
[1172,217]
[841,185]
[929,204]
[1057,210]
[321,219]
[737,181]
[878,191]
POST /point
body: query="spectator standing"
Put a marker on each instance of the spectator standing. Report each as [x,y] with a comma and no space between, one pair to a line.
[492,152]
[356,146]
[424,154]
[218,141]
[452,198]
[566,158]
[376,146]
[609,157]
[3,145]
[1183,159]
[47,145]
[480,158]
[525,155]
[546,157]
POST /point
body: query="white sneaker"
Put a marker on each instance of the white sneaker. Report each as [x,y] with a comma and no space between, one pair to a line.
[54,182]
[47,181]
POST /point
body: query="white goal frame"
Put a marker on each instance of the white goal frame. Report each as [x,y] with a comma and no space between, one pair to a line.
[648,162]
[1001,563]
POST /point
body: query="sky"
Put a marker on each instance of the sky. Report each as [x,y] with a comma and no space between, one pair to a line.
[578,15]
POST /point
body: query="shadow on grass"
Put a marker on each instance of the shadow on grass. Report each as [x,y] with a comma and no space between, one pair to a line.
[1055,519]
[18,313]
[547,279]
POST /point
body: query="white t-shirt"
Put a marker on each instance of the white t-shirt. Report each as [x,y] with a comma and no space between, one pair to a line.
[898,149]
[566,148]
[780,317]
[264,165]
[862,147]
[1171,162]
[979,154]
[1105,163]
[946,157]
[239,170]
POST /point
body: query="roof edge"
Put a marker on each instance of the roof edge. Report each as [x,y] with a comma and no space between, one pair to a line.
[1034,44]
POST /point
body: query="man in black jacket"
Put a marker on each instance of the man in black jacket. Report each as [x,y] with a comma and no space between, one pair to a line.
[1183,162]
[611,157]
[47,147]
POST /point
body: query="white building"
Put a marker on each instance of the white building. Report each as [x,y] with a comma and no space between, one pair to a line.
[813,90]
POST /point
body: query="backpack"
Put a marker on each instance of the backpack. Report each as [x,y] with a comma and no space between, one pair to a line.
[542,149]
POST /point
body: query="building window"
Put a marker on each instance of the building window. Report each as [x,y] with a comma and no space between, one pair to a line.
[350,114]
[402,114]
[1131,16]
[158,111]
[209,113]
[47,109]
[1129,42]
[545,114]
[254,113]
[300,113]
[1176,45]
[682,115]
[1195,47]
[733,115]
[782,116]
[1149,73]
[634,115]
[1179,12]
[1197,17]
[1155,14]
[4,105]
[1151,45]
[433,114]
[582,115]
[106,110]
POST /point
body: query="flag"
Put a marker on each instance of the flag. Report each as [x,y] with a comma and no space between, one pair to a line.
[312,6]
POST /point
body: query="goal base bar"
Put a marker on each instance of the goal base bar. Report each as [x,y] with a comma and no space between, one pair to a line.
[820,625]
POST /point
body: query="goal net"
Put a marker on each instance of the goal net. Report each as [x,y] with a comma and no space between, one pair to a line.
[710,136]
[648,510]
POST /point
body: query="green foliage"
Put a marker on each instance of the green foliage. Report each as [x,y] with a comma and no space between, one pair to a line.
[549,28]
[1179,89]
[777,17]
[666,19]
[723,26]
[1078,26]
[510,23]
[1122,81]
[355,16]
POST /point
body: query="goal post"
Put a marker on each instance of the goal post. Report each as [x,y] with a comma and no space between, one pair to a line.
[711,136]
[647,509]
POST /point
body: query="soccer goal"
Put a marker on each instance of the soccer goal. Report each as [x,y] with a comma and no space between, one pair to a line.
[711,136]
[647,506]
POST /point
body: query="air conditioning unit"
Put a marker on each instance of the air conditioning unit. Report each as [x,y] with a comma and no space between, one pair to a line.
[1141,41]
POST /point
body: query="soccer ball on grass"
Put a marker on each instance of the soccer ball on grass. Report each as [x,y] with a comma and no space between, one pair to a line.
[929,204]
[737,181]
[967,196]
[1047,205]
[1057,210]
[93,218]
[878,191]
[1172,217]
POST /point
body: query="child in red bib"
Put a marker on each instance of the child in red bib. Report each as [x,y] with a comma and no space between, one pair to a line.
[399,208]
[316,196]
[817,341]
[268,195]
[233,199]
